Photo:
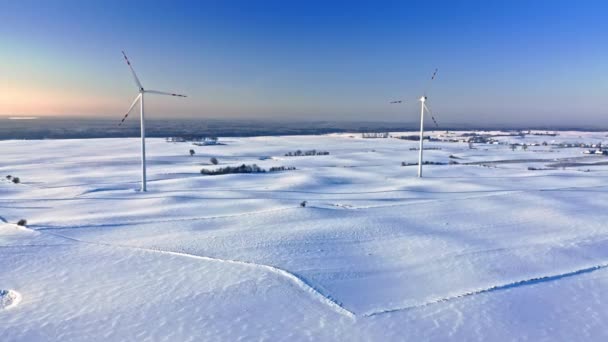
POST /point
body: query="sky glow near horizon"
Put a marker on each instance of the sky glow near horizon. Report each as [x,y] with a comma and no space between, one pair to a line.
[540,62]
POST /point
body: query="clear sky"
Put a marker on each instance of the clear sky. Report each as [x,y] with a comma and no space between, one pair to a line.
[541,62]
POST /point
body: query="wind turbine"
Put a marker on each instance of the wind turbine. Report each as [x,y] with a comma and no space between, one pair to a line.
[423,107]
[140,98]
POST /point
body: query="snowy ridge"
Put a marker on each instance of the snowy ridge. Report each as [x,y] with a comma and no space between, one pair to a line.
[128,223]
[330,302]
[299,282]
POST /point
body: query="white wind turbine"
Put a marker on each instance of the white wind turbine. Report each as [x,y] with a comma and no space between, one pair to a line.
[140,98]
[423,107]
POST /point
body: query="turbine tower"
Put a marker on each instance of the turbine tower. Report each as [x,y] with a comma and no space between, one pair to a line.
[423,108]
[140,98]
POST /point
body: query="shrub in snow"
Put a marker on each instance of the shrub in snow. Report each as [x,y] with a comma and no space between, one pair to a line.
[9,177]
[214,161]
[22,222]
[303,204]
[16,180]
[192,153]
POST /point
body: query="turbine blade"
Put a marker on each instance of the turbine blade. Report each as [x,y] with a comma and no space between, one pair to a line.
[139,86]
[431,114]
[430,82]
[164,93]
[130,109]
[427,109]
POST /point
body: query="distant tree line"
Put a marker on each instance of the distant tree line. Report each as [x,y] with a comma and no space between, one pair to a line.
[306,153]
[425,148]
[413,137]
[426,162]
[244,169]
[281,168]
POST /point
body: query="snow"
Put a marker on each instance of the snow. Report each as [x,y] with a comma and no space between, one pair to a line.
[483,250]
[9,299]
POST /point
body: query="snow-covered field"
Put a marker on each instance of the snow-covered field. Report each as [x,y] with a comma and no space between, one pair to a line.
[481,250]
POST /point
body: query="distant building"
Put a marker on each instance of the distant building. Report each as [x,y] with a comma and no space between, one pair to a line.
[375,135]
[206,141]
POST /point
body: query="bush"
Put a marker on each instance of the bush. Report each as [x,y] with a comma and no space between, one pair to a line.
[9,177]
[303,204]
[16,180]
[192,153]
[22,222]
[214,161]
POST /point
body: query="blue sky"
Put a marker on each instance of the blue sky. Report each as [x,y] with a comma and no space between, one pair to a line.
[537,62]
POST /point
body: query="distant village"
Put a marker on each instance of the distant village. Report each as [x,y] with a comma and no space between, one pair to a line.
[491,138]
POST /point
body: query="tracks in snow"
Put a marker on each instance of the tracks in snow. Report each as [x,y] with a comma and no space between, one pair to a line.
[326,299]
[507,286]
[305,286]
[294,279]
